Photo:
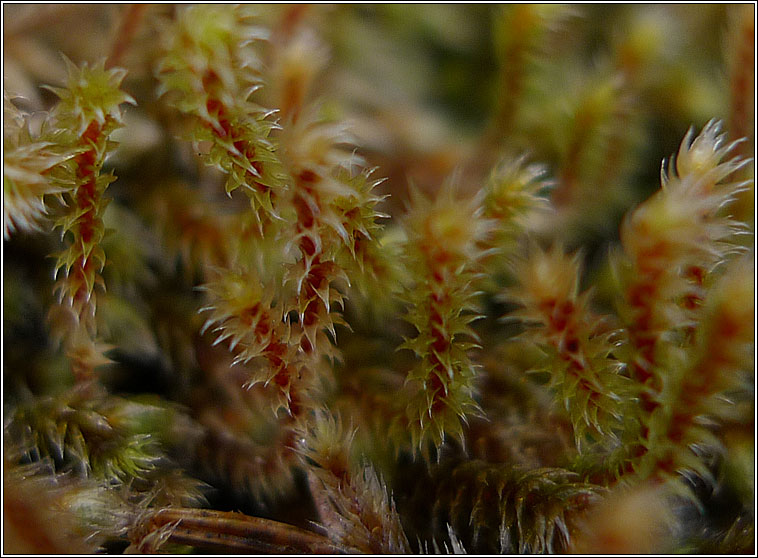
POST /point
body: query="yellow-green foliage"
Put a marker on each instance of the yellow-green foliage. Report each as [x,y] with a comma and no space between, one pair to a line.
[578,343]
[209,72]
[443,250]
[88,112]
[32,170]
[383,278]
[715,364]
[354,507]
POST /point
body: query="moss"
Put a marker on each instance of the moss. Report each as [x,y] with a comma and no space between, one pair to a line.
[379,279]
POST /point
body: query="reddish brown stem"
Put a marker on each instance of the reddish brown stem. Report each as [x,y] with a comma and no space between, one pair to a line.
[131,19]
[742,93]
[234,533]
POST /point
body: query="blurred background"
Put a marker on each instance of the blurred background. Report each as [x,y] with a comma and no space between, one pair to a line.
[600,95]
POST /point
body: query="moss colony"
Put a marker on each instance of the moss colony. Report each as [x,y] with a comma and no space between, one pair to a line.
[378,278]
